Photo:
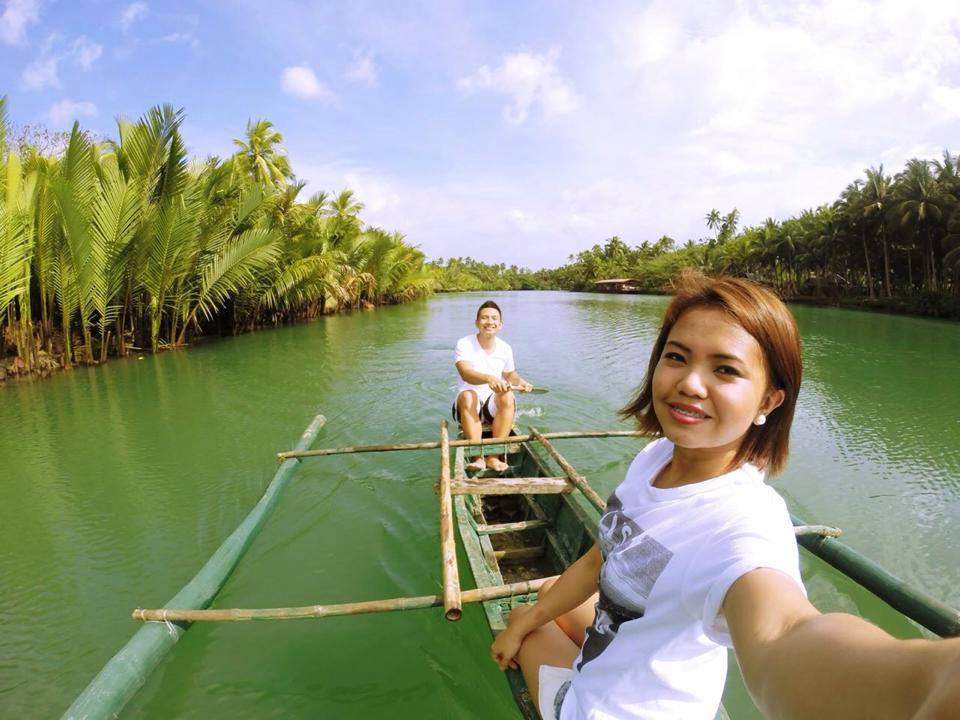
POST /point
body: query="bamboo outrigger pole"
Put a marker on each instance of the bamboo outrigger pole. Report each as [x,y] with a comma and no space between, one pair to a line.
[323,452]
[936,616]
[452,607]
[572,475]
[126,671]
[496,592]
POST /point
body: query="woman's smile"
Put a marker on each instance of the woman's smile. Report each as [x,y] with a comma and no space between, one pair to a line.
[687,414]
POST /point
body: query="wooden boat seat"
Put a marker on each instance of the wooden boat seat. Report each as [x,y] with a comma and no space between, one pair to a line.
[499,528]
[511,486]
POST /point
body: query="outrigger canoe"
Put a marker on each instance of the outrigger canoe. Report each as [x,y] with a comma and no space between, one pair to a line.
[517,529]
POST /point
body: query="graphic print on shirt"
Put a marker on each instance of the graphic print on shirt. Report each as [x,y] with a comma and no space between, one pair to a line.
[632,563]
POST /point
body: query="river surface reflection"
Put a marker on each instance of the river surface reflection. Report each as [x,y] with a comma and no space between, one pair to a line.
[120,481]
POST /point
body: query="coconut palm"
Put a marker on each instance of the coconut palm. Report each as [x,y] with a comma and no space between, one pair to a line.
[714,220]
[920,207]
[261,156]
[877,198]
[852,206]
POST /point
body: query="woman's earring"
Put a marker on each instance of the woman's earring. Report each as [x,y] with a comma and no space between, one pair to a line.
[761,419]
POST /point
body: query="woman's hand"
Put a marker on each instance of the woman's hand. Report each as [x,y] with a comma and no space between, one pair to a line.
[505,648]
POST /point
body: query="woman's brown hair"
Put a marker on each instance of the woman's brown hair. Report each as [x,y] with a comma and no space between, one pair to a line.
[762,314]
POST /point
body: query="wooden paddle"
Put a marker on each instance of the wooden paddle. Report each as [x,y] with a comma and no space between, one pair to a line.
[532,391]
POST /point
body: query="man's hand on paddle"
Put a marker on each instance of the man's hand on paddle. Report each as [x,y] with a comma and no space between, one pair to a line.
[499,385]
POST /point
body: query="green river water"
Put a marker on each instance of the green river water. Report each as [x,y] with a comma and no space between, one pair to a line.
[119,482]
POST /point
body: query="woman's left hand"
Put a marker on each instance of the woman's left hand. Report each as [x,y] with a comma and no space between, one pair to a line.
[505,648]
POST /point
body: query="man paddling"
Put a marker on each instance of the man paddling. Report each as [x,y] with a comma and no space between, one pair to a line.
[484,396]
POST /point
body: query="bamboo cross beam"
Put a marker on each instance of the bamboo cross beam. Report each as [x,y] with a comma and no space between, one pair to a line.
[452,607]
[323,452]
[321,611]
[572,475]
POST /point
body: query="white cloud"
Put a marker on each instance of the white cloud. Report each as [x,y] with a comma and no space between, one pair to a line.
[84,52]
[528,79]
[15,18]
[42,72]
[943,103]
[131,13]
[65,112]
[180,37]
[683,106]
[362,69]
[764,106]
[510,219]
[300,80]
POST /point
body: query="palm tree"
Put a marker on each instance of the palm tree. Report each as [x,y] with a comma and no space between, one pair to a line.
[261,156]
[728,225]
[228,257]
[877,202]
[115,218]
[344,222]
[129,235]
[16,248]
[713,219]
[852,207]
[920,206]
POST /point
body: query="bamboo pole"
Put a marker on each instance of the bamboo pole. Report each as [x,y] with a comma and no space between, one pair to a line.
[452,608]
[126,671]
[821,530]
[933,614]
[174,615]
[323,452]
[572,475]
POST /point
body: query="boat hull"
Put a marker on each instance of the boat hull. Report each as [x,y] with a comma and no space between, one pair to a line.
[554,530]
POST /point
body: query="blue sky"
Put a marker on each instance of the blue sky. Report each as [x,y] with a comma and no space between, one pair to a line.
[517,132]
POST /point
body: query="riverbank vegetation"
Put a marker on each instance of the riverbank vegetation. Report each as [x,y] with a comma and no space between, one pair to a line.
[107,247]
[890,241]
[465,274]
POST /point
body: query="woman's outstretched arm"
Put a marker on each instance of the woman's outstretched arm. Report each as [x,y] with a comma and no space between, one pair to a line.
[577,583]
[799,663]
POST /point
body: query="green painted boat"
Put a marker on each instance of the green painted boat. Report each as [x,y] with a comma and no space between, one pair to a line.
[527,524]
[514,537]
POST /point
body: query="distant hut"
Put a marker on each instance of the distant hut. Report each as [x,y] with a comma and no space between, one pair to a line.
[617,285]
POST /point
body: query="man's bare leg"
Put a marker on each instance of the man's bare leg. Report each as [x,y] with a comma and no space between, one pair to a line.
[468,408]
[502,423]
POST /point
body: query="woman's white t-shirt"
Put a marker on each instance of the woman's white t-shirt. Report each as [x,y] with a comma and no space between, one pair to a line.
[658,646]
[493,363]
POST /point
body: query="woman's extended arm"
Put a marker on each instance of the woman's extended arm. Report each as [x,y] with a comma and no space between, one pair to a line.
[577,583]
[799,663]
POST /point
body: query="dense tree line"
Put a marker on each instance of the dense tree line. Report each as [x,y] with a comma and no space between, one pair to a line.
[888,241]
[465,274]
[118,244]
